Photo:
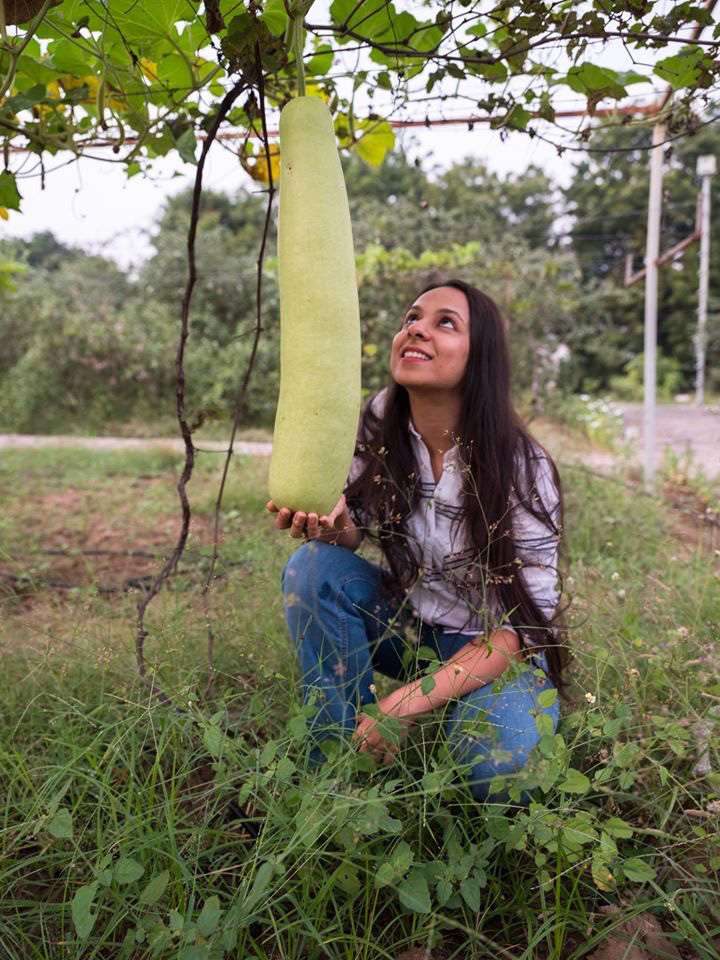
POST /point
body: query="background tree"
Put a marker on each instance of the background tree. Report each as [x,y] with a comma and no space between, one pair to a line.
[608,201]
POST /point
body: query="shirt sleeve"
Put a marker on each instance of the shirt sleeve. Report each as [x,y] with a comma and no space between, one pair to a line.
[536,542]
[355,510]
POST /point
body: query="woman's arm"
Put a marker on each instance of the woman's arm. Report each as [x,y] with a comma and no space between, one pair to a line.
[477,663]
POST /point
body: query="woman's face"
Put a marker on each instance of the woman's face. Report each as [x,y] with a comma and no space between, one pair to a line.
[438,326]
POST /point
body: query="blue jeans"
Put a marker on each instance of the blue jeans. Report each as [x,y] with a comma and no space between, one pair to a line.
[343,628]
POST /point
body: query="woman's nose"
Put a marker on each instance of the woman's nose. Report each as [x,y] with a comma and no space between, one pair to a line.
[417,331]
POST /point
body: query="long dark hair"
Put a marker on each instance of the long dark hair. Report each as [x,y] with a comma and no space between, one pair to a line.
[499,464]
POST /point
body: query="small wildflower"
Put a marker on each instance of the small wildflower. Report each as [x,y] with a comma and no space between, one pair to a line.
[683,632]
[614,575]
[669,905]
[634,672]
[622,593]
[373,688]
[590,697]
[673,559]
[458,668]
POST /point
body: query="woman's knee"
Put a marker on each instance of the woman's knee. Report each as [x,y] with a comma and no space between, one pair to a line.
[494,743]
[323,570]
[306,567]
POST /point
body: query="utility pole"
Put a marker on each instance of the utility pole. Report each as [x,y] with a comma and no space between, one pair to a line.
[706,169]
[652,251]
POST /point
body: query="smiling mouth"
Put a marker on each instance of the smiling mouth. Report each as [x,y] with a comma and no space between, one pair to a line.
[419,356]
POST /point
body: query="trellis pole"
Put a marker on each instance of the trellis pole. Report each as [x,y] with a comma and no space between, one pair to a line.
[706,168]
[652,253]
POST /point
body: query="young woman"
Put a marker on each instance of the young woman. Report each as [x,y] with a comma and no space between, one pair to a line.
[466,509]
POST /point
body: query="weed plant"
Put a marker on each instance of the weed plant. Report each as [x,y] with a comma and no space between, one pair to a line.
[115,840]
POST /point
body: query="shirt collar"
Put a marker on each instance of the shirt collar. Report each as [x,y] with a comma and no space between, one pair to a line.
[447,456]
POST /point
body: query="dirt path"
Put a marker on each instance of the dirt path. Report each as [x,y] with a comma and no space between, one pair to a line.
[678,426]
[174,444]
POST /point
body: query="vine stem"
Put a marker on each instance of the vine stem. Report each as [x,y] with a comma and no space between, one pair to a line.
[240,405]
[299,44]
[141,630]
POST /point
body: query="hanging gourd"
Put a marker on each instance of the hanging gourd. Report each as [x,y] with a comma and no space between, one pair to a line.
[20,11]
[319,402]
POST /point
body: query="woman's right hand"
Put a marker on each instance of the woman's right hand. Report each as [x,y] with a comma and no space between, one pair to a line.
[309,525]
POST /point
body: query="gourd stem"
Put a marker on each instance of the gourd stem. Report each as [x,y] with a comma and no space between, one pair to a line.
[298,27]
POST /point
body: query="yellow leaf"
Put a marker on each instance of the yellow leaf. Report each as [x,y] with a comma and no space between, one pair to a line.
[257,166]
[375,142]
[4,215]
[148,68]
[313,90]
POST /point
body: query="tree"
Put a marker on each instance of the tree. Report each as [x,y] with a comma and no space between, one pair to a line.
[608,201]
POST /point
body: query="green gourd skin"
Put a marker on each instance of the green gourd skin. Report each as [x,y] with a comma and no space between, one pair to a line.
[320,352]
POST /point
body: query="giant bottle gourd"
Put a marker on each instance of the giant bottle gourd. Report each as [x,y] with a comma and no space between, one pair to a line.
[319,403]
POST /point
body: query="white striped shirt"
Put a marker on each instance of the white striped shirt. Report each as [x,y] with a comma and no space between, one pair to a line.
[434,534]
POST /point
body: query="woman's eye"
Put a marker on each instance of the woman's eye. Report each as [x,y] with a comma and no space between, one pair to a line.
[448,320]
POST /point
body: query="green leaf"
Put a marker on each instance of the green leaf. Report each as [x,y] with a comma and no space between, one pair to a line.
[23,101]
[275,17]
[173,72]
[638,870]
[682,69]
[285,768]
[260,885]
[127,870]
[155,889]
[414,893]
[214,741]
[61,824]
[428,684]
[9,195]
[194,952]
[186,146]
[617,828]
[547,698]
[544,724]
[402,857]
[321,61]
[470,892]
[66,57]
[444,891]
[209,919]
[82,915]
[375,142]
[267,754]
[575,782]
[384,875]
[599,82]
[477,29]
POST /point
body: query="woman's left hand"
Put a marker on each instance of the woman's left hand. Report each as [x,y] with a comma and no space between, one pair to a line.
[372,742]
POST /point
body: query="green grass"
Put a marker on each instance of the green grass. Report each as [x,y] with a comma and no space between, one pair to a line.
[112,835]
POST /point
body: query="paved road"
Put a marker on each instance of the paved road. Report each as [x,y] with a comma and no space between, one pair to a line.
[677,425]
